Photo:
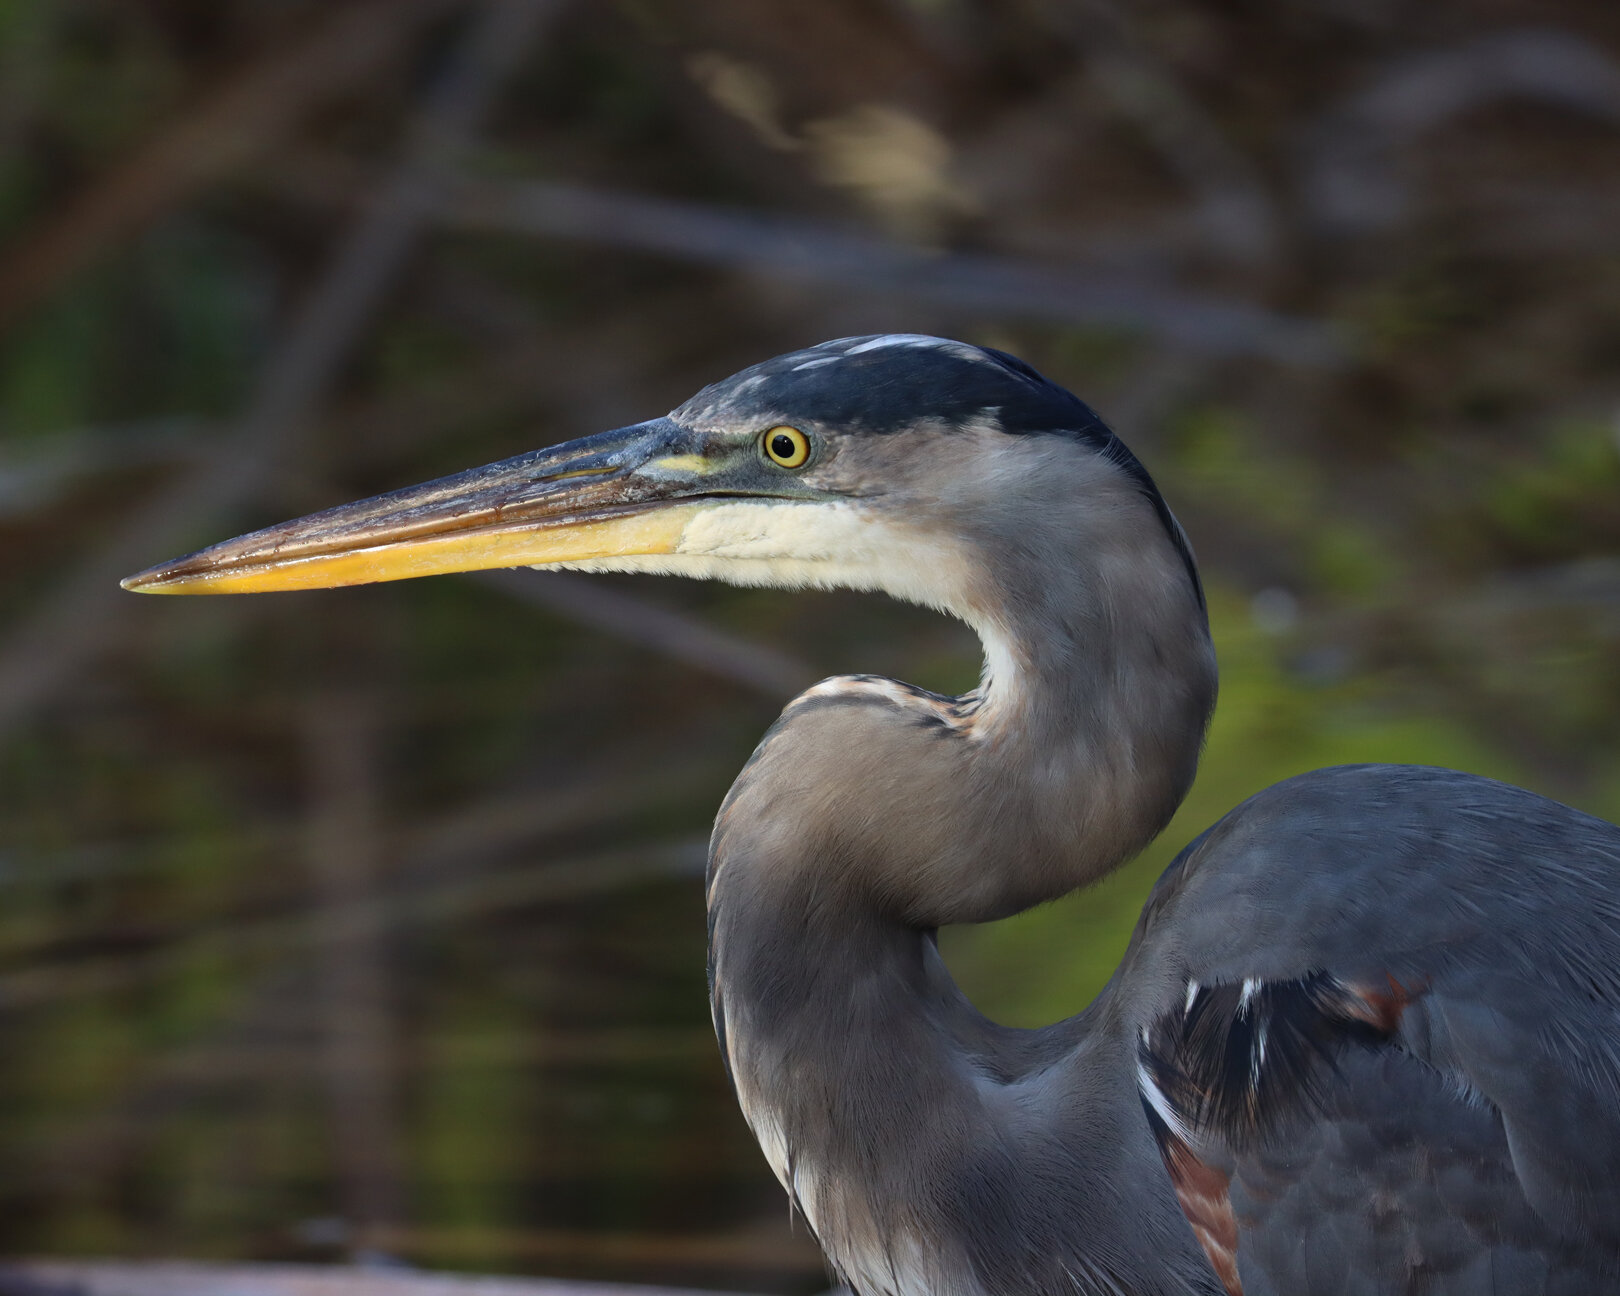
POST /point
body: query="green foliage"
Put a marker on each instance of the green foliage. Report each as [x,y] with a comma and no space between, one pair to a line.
[43,385]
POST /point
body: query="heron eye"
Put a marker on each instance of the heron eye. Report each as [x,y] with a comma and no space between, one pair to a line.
[787,446]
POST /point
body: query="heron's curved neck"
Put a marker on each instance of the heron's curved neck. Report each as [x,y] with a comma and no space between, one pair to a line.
[873,813]
[1073,753]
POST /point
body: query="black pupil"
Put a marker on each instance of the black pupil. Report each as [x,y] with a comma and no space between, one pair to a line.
[782,446]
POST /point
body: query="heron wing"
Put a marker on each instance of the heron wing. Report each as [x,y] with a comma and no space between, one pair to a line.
[1377,1014]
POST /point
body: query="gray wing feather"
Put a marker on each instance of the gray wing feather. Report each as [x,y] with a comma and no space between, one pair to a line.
[1464,1119]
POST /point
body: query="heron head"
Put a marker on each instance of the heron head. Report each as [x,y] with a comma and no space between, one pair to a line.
[897,462]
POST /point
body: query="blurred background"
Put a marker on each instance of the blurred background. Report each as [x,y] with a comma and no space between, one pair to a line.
[369,923]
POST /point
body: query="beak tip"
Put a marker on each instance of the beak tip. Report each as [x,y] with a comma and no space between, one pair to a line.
[150,581]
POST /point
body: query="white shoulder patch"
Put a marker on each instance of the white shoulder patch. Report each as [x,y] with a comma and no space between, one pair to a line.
[900,340]
[1155,1099]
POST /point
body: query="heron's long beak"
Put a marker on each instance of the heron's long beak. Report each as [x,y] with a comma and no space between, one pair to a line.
[620,493]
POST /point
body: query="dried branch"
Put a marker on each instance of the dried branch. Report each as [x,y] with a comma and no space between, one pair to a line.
[60,637]
[1350,177]
[256,106]
[34,478]
[529,807]
[828,255]
[356,1003]
[1234,208]
[663,630]
[454,901]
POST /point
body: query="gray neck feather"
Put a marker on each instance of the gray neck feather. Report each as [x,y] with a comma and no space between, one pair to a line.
[872,814]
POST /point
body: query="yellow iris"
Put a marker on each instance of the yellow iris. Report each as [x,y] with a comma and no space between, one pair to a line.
[787,446]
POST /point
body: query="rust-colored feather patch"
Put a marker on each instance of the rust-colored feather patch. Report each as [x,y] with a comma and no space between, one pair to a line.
[1202,1192]
[1381,1009]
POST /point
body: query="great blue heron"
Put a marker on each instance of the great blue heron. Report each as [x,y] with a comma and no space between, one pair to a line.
[1365,1037]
